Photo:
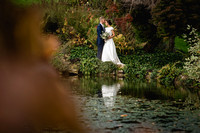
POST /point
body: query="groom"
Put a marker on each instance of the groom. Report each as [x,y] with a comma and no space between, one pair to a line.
[100,41]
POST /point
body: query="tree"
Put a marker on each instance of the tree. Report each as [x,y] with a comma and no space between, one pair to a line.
[144,31]
[192,12]
[168,16]
[132,3]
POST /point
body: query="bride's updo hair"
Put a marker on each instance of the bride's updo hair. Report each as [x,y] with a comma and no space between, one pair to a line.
[109,22]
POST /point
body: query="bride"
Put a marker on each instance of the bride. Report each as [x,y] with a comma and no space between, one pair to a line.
[109,50]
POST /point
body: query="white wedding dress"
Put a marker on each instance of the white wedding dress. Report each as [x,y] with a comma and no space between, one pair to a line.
[109,50]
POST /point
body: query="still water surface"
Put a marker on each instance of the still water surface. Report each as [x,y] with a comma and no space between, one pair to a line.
[135,106]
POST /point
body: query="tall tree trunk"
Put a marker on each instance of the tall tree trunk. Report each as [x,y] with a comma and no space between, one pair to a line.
[170,47]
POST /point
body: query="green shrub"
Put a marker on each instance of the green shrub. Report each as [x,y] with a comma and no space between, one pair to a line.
[54,14]
[89,66]
[58,62]
[26,2]
[167,74]
[154,74]
[140,63]
[192,64]
[67,33]
[92,31]
[82,52]
[153,60]
[79,26]
[181,45]
[107,67]
[136,69]
[82,19]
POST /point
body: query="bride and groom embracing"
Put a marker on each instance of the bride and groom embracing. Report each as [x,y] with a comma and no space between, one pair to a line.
[106,48]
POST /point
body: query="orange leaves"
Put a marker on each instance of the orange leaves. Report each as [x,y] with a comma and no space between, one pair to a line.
[79,41]
[128,17]
[123,22]
[120,41]
[122,44]
[112,9]
[124,115]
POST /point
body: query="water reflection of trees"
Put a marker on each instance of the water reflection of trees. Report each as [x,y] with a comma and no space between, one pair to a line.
[92,86]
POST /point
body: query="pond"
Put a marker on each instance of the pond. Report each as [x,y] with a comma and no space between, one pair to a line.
[126,106]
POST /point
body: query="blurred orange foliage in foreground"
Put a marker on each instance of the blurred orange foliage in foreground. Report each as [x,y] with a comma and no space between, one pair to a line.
[32,99]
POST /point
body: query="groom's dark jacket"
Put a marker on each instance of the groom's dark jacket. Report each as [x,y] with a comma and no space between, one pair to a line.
[100,29]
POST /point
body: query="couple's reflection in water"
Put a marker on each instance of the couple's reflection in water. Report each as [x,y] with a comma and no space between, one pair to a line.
[109,93]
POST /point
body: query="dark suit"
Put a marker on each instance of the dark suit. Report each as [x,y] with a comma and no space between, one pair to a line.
[100,41]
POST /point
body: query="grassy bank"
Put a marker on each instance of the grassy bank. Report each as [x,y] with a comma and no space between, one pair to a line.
[165,67]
